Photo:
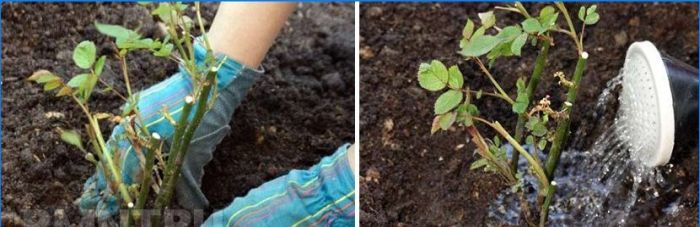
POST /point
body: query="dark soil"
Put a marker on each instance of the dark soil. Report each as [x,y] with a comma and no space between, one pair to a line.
[301,110]
[411,178]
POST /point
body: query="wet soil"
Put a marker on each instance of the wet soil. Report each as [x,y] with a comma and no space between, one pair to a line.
[411,178]
[298,112]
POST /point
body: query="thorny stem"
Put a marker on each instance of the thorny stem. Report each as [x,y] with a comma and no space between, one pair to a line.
[144,190]
[540,61]
[179,131]
[493,81]
[563,126]
[164,197]
[544,211]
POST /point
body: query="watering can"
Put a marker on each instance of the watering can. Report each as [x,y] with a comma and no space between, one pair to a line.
[658,104]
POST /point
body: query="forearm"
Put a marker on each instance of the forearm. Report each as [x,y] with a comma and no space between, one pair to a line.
[245,31]
[351,160]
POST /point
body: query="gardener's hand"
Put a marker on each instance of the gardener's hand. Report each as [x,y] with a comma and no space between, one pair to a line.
[233,80]
[322,195]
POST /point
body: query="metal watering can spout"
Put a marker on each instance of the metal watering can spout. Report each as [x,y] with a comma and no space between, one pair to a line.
[658,104]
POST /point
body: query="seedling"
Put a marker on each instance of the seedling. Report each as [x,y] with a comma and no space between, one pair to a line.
[148,146]
[455,107]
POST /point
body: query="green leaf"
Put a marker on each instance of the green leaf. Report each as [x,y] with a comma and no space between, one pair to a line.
[480,45]
[478,33]
[473,110]
[433,76]
[455,79]
[71,137]
[84,54]
[517,186]
[582,13]
[468,29]
[447,120]
[436,124]
[509,33]
[488,19]
[591,10]
[447,101]
[78,81]
[164,11]
[539,129]
[439,70]
[479,93]
[518,44]
[522,101]
[115,31]
[497,141]
[548,17]
[546,11]
[530,140]
[135,43]
[478,164]
[592,19]
[531,25]
[536,126]
[542,144]
[164,50]
[468,121]
[64,91]
[99,65]
[42,76]
[52,85]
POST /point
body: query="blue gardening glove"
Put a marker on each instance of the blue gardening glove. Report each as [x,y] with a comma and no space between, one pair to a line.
[233,80]
[322,195]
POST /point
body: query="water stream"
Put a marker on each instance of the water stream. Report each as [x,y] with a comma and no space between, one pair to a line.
[600,186]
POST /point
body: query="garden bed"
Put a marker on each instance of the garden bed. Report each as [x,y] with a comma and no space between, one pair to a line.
[410,177]
[301,110]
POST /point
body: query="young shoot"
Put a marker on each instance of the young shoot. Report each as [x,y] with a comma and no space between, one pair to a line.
[456,107]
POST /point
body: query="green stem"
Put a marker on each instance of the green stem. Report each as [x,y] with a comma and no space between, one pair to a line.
[572,31]
[484,152]
[540,61]
[563,126]
[125,73]
[493,81]
[201,26]
[170,179]
[188,38]
[132,99]
[147,177]
[110,163]
[179,131]
[175,37]
[102,152]
[539,172]
[544,212]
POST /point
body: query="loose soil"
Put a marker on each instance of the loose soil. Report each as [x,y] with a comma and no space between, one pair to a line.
[301,110]
[409,177]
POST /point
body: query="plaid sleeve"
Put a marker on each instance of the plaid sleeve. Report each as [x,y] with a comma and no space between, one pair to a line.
[322,195]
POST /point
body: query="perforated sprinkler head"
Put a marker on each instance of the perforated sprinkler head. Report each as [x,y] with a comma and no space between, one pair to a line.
[658,104]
